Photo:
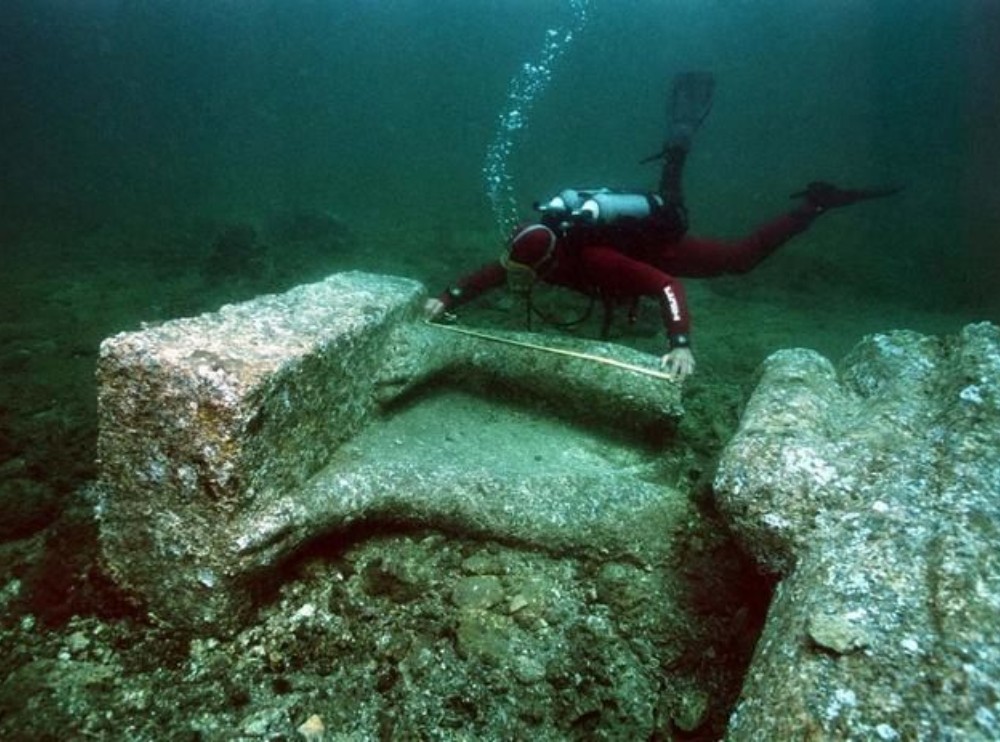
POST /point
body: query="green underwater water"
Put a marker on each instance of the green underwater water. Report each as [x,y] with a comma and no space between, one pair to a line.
[138,135]
[160,159]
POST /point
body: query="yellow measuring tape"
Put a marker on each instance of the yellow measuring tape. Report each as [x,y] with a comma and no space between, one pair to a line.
[557,351]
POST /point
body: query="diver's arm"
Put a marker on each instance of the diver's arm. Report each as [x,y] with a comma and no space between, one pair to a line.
[616,274]
[467,288]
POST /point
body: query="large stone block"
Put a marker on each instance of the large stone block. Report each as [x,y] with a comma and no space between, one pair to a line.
[874,494]
[218,434]
[202,417]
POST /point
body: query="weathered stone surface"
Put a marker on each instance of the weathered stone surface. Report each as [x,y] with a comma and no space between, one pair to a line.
[201,418]
[873,493]
[222,440]
[510,365]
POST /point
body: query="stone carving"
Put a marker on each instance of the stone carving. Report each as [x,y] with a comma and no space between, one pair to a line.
[873,494]
[229,441]
[220,435]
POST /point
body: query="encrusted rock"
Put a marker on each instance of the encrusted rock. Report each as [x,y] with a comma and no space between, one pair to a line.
[874,494]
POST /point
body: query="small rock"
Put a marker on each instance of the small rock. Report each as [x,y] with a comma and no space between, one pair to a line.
[77,642]
[485,635]
[477,592]
[837,633]
[517,603]
[692,709]
[483,564]
[312,728]
[528,669]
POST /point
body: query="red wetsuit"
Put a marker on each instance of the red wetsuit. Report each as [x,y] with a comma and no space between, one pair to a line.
[616,263]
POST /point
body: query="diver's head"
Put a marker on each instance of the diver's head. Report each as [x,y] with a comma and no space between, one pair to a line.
[532,249]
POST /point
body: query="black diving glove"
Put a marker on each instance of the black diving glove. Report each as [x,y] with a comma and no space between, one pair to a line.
[822,196]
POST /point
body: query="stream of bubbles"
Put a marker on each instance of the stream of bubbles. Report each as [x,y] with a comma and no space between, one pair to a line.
[525,87]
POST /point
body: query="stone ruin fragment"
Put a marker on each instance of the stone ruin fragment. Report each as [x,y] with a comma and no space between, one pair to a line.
[218,435]
[869,490]
[873,491]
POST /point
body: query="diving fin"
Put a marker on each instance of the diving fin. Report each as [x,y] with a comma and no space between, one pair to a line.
[822,195]
[689,103]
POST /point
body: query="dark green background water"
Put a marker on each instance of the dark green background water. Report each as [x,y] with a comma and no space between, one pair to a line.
[132,133]
[382,111]
[161,157]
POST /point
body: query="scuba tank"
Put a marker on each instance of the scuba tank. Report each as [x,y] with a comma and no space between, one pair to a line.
[610,207]
[565,203]
[597,206]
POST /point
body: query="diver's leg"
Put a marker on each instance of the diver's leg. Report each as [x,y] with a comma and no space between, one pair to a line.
[689,103]
[699,257]
[672,187]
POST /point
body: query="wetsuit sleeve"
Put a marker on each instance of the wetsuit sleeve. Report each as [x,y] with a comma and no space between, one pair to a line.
[467,288]
[615,274]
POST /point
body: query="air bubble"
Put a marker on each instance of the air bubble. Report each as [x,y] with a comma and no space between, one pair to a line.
[524,89]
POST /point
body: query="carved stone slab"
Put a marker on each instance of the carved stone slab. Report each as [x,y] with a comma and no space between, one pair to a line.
[218,434]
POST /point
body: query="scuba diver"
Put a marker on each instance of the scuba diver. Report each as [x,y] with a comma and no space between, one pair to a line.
[619,246]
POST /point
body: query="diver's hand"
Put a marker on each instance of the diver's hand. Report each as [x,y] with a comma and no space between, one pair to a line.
[679,363]
[433,309]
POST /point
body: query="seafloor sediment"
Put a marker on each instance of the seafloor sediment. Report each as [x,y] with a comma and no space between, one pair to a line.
[383,631]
